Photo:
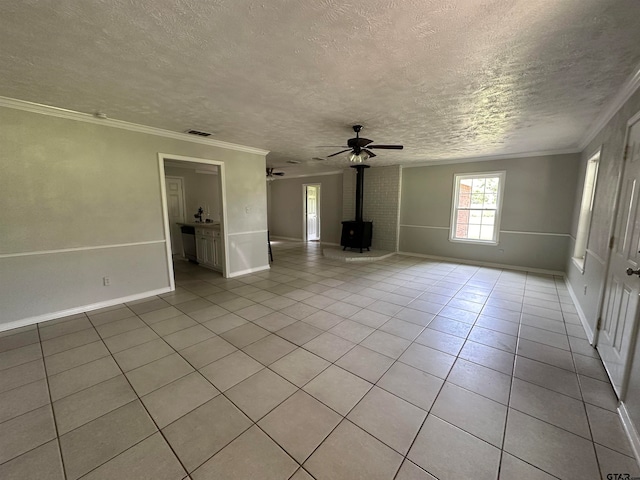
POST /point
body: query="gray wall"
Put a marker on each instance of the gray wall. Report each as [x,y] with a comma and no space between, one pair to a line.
[200,190]
[82,201]
[285,207]
[381,203]
[611,140]
[536,219]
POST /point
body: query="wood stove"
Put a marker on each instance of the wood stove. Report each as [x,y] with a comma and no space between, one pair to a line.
[357,233]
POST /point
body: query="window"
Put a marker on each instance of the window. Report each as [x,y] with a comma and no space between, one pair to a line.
[477,203]
[586,208]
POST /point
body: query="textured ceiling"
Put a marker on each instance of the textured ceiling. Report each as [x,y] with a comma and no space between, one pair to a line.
[448,79]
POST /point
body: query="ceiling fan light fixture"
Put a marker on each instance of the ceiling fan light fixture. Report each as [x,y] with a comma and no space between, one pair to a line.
[358,157]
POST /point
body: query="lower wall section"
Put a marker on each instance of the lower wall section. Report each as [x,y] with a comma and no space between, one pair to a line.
[39,285]
[248,252]
[539,251]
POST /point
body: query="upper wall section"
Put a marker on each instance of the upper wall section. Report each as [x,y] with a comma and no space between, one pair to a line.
[536,217]
[68,184]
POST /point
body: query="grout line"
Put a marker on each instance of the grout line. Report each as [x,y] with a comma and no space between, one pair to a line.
[53,413]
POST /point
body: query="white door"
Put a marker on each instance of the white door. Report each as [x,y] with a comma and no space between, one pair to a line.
[619,316]
[312,208]
[175,208]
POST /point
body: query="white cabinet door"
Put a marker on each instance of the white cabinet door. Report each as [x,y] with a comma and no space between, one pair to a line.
[201,249]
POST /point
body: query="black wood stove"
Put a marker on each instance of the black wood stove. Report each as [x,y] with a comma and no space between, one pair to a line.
[357,233]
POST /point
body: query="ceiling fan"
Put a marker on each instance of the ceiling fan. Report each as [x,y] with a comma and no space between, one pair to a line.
[271,175]
[360,148]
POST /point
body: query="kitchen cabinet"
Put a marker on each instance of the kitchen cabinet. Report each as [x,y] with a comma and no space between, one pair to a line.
[209,247]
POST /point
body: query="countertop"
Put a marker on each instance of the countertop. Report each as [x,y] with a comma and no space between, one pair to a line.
[202,225]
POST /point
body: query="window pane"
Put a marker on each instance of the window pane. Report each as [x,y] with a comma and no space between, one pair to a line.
[492,184]
[474,232]
[488,217]
[486,232]
[464,200]
[478,185]
[490,200]
[475,217]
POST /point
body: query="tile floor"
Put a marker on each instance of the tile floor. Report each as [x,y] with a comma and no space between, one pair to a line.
[404,368]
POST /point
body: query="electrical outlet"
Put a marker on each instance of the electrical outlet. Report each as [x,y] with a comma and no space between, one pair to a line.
[106,281]
[585,289]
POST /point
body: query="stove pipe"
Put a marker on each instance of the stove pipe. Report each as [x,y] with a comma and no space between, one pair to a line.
[359,190]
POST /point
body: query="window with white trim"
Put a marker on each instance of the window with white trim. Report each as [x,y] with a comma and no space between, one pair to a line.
[477,205]
[586,210]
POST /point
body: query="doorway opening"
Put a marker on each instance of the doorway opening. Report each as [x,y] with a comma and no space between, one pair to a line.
[193,192]
[311,212]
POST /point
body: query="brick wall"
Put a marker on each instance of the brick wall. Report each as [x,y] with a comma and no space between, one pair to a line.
[381,203]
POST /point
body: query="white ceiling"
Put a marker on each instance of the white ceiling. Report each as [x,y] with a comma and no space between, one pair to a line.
[448,79]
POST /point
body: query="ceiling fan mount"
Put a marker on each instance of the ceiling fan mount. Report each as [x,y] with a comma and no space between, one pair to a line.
[361,147]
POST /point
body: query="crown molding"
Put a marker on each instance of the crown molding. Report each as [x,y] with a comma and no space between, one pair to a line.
[616,103]
[134,127]
[507,156]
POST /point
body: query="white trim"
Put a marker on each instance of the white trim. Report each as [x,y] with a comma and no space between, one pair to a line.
[423,226]
[291,239]
[249,270]
[134,127]
[606,114]
[223,195]
[630,430]
[549,234]
[485,264]
[79,249]
[506,156]
[453,224]
[398,213]
[246,233]
[596,256]
[583,318]
[85,308]
[513,232]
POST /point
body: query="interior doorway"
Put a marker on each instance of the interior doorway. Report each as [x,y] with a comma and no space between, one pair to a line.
[212,172]
[311,212]
[617,334]
[175,210]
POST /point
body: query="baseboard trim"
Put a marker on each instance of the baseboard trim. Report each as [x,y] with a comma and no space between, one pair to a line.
[291,239]
[485,264]
[84,308]
[583,318]
[630,430]
[249,270]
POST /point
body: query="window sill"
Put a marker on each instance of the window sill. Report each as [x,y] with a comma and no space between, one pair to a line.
[579,262]
[474,242]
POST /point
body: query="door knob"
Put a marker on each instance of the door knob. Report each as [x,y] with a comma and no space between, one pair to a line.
[631,271]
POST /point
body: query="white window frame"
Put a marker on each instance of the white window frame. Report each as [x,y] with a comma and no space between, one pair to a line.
[586,210]
[457,178]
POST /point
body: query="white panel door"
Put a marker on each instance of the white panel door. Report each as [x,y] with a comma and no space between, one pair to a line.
[175,208]
[620,312]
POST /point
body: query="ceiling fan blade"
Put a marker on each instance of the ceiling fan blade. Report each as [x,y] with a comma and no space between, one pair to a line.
[369,152]
[388,147]
[278,173]
[338,153]
[359,142]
